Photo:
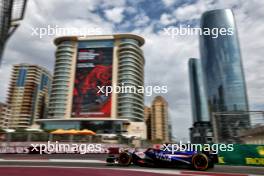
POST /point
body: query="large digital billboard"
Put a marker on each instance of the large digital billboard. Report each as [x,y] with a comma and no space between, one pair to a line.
[93,69]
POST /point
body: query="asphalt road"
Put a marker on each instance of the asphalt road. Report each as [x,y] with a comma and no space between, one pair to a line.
[95,162]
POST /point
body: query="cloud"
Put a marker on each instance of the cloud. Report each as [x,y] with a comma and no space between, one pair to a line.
[168,3]
[251,28]
[106,4]
[115,14]
[190,11]
[166,19]
[141,20]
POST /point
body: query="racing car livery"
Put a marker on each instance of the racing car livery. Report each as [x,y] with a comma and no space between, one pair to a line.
[160,158]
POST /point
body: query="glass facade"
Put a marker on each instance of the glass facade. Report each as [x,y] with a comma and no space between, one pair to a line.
[44,81]
[200,109]
[221,61]
[223,71]
[21,77]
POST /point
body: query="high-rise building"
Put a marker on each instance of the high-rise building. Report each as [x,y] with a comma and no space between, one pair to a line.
[147,118]
[200,109]
[11,12]
[83,66]
[159,120]
[28,95]
[201,132]
[5,114]
[223,73]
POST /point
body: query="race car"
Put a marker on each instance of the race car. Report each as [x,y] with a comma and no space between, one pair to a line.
[159,158]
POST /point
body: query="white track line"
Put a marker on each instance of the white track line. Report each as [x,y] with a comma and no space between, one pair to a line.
[76,161]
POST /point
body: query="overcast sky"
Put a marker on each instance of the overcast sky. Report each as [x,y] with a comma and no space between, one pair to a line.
[166,57]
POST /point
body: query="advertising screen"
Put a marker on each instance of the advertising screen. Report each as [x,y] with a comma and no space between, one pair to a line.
[93,69]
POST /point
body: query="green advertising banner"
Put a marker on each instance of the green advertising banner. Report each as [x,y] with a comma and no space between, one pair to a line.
[243,155]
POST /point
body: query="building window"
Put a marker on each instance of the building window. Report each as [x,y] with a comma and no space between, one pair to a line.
[21,77]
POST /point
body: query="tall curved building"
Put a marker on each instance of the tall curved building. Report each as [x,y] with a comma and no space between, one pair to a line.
[83,64]
[130,73]
[223,72]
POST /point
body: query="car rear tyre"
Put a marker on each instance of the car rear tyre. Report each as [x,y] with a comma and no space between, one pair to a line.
[200,162]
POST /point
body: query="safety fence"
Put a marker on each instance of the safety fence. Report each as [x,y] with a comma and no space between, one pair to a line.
[243,155]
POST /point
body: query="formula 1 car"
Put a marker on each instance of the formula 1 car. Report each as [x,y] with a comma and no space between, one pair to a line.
[160,158]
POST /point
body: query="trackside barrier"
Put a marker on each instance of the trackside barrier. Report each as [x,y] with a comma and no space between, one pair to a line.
[243,155]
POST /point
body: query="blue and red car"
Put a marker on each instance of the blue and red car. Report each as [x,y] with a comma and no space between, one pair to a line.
[160,158]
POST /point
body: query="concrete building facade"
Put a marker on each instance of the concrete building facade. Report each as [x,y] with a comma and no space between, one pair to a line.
[28,95]
[5,114]
[83,66]
[157,120]
[147,118]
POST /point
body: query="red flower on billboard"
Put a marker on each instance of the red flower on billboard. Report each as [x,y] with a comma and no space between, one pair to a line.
[99,76]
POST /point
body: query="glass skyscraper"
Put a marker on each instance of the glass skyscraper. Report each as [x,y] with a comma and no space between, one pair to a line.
[223,73]
[201,132]
[198,94]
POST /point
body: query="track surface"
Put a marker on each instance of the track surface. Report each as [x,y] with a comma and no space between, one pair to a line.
[93,164]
